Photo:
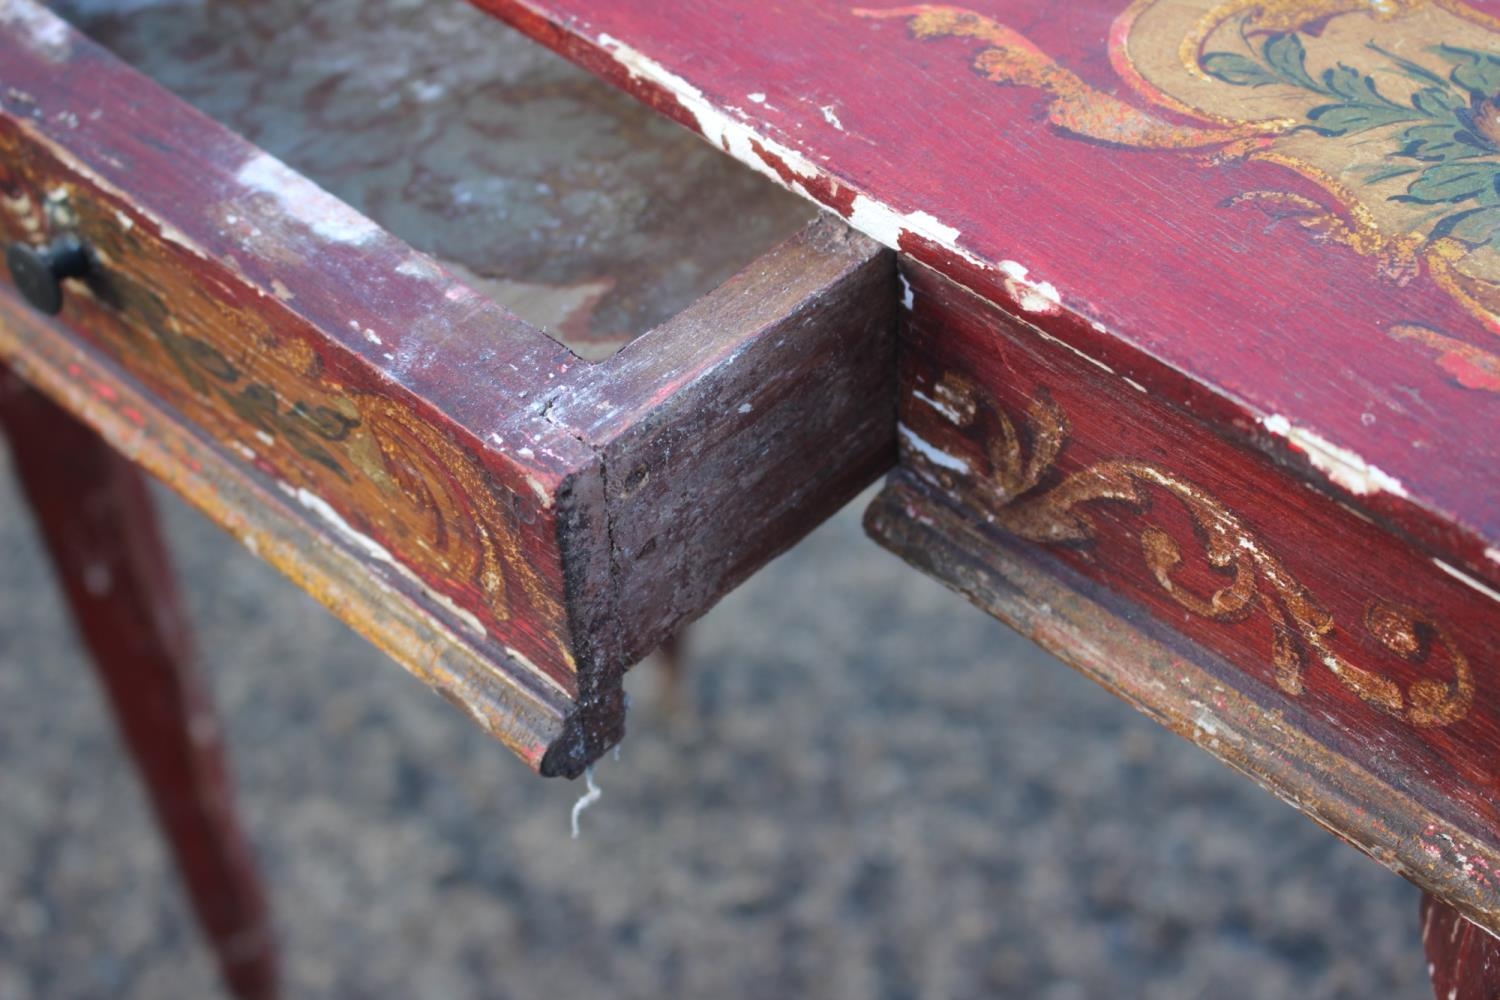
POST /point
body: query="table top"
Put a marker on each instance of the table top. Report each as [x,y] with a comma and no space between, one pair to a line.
[1283,218]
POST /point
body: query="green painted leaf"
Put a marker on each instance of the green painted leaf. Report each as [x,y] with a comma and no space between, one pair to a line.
[1453,182]
[1475,227]
[1438,102]
[1352,85]
[1242,71]
[1435,143]
[1476,72]
[1412,70]
[1387,173]
[1285,55]
[1346,119]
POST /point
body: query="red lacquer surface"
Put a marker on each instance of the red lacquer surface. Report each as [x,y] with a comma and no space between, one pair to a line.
[1208,269]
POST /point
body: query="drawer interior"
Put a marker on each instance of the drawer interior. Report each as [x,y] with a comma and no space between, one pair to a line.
[577,208]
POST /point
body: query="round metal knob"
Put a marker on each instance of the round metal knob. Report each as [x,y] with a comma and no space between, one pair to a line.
[38,271]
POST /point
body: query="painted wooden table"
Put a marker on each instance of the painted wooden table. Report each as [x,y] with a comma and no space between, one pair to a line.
[1191,334]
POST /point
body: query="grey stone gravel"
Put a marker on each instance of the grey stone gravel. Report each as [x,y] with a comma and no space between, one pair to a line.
[870,790]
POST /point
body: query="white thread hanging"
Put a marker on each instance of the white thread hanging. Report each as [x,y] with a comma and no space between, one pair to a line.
[587,799]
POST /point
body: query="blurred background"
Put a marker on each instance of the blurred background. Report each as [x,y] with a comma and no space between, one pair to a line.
[867,789]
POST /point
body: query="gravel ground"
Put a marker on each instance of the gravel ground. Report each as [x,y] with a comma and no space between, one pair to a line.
[869,789]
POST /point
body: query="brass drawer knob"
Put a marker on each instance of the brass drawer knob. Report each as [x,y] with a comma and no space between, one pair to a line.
[38,271]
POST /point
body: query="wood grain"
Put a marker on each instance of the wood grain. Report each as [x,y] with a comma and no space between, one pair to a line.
[1463,960]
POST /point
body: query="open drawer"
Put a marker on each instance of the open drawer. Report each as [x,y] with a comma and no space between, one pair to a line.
[516,516]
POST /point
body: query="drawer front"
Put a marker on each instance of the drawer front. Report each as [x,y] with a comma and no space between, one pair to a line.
[1353,641]
[293,332]
[470,463]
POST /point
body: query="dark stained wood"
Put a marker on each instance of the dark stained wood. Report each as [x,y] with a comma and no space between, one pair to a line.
[1188,688]
[792,356]
[468,461]
[1146,185]
[1463,960]
[95,516]
[536,184]
[724,435]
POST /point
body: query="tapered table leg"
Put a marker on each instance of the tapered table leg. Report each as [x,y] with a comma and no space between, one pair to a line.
[1464,960]
[96,518]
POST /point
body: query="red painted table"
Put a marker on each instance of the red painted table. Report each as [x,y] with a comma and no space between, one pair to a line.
[1197,367]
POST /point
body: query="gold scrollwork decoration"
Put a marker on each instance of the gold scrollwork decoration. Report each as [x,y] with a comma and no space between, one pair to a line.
[1029,497]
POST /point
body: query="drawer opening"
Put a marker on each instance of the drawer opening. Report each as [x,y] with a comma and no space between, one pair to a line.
[575,207]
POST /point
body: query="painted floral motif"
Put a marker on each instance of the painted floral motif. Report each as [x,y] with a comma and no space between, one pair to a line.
[1391,106]
[1448,151]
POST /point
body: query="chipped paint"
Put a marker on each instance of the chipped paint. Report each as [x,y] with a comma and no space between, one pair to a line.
[38,29]
[908,296]
[734,137]
[1467,580]
[419,266]
[542,493]
[886,225]
[1492,554]
[1031,295]
[1342,466]
[758,151]
[303,201]
[947,411]
[931,452]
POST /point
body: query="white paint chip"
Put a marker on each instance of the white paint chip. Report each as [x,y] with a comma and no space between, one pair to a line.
[41,31]
[931,452]
[1467,580]
[831,117]
[1342,466]
[303,201]
[1032,296]
[947,411]
[734,137]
